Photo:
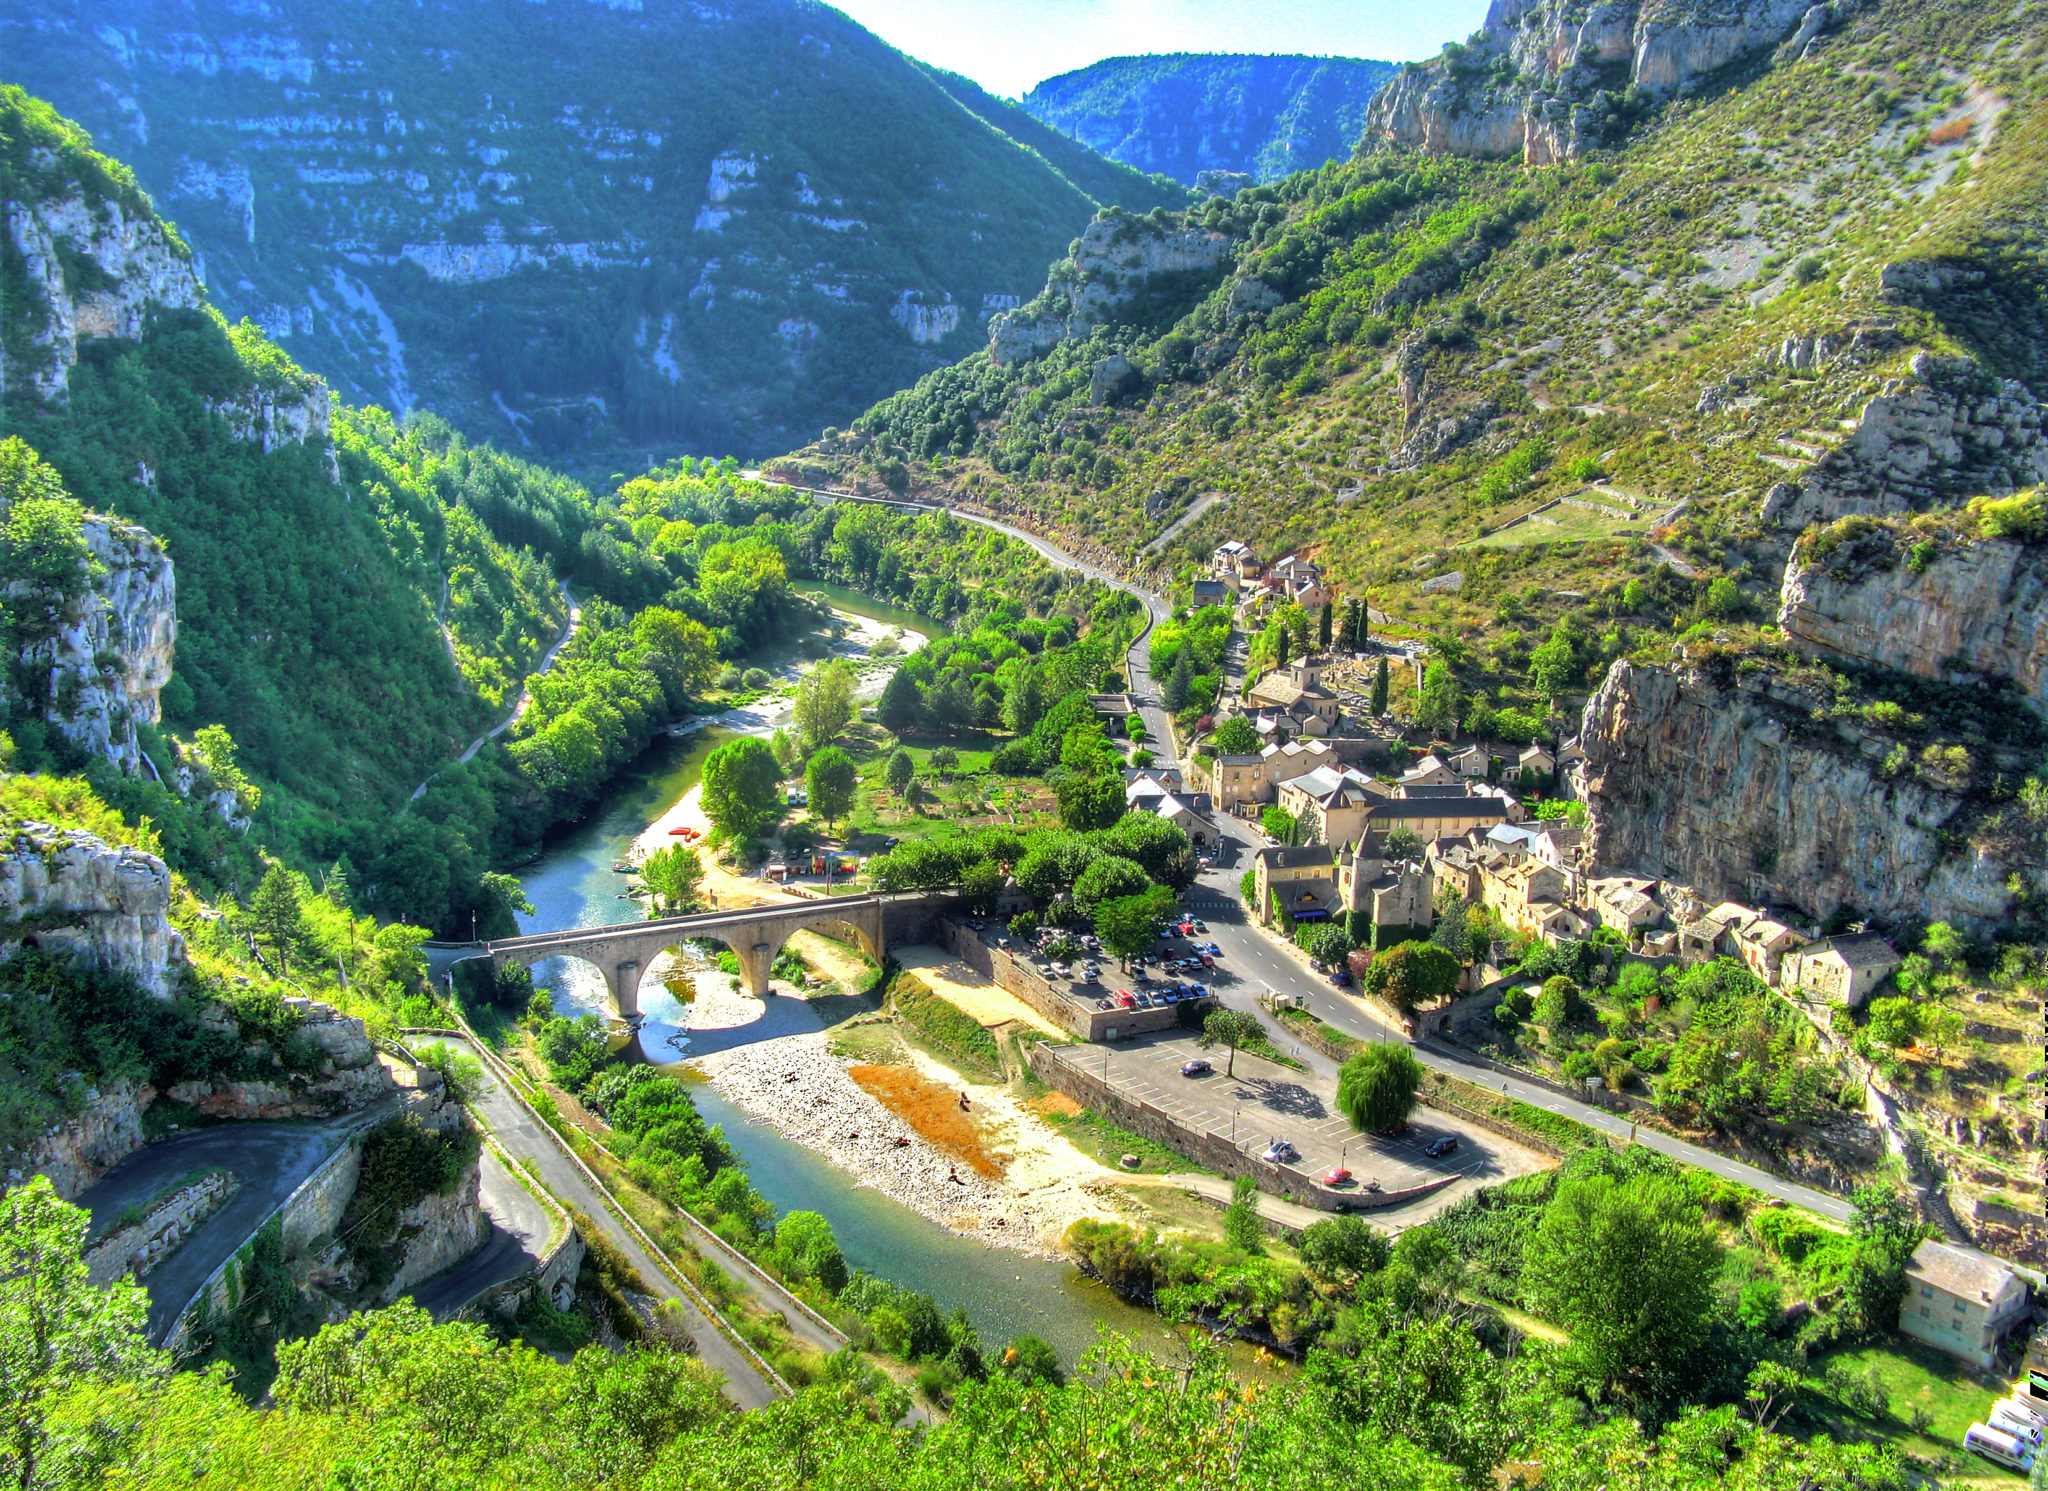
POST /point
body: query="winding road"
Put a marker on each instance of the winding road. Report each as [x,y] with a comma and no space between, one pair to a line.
[546,662]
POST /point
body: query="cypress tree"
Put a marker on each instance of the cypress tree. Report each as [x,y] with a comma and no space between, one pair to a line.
[1379,690]
[1323,624]
[1285,640]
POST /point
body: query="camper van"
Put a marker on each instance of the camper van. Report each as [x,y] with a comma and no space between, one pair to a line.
[2016,1421]
[1999,1447]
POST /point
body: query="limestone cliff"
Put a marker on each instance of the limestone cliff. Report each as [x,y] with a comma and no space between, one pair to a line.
[1549,79]
[106,904]
[107,664]
[93,266]
[1943,431]
[1887,595]
[1116,258]
[1746,788]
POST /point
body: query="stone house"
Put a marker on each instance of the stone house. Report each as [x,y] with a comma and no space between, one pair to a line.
[1762,945]
[1330,804]
[1235,565]
[1321,882]
[1232,779]
[1474,762]
[1536,762]
[1431,771]
[1189,812]
[1435,817]
[1210,593]
[1535,898]
[1297,690]
[1296,758]
[1627,903]
[1961,1303]
[1843,970]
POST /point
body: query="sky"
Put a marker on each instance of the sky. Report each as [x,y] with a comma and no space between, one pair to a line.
[1008,45]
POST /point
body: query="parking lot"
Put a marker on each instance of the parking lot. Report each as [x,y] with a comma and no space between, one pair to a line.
[1263,1100]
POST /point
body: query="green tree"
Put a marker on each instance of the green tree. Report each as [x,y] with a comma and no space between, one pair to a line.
[1410,975]
[1554,666]
[742,787]
[1441,705]
[1230,1029]
[1241,1229]
[830,779]
[1402,842]
[1886,1232]
[900,708]
[1090,801]
[1109,877]
[1282,641]
[1379,690]
[1558,1004]
[787,756]
[1236,736]
[674,874]
[805,1238]
[1127,925]
[1031,1361]
[1325,624]
[823,707]
[1339,1251]
[58,1333]
[899,771]
[1628,1267]
[276,916]
[217,753]
[981,886]
[504,901]
[1376,1088]
[1179,685]
[944,760]
[1278,823]
[44,561]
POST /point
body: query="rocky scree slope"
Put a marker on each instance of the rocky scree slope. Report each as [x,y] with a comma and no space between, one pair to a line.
[1214,120]
[589,230]
[1555,415]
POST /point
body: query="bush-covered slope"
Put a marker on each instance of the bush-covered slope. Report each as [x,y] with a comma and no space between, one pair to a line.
[1187,113]
[604,231]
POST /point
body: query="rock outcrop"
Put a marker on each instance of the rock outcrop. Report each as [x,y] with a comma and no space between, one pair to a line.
[104,904]
[92,1141]
[1953,612]
[1735,788]
[1116,257]
[1947,430]
[133,265]
[109,662]
[345,1074]
[1542,79]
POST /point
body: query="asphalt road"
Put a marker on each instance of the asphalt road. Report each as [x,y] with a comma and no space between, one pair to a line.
[519,1234]
[268,1161]
[1256,961]
[535,1146]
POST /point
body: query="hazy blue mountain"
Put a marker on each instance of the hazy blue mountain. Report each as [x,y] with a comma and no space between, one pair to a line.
[1187,113]
[601,230]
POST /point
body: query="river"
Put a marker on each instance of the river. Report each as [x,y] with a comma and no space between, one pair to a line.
[1005,1294]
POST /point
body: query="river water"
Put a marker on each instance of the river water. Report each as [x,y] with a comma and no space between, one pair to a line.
[1006,1294]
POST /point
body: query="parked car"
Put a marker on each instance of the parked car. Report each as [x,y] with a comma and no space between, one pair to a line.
[1201,1066]
[1213,950]
[1338,1176]
[1446,1145]
[1373,1184]
[1206,961]
[1396,1131]
[1091,976]
[1200,925]
[1341,979]
[1280,1152]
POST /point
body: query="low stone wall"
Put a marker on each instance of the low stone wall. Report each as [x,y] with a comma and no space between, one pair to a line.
[136,1249]
[1014,976]
[1207,1148]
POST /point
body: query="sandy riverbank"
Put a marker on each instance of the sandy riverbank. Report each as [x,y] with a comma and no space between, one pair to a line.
[1004,1177]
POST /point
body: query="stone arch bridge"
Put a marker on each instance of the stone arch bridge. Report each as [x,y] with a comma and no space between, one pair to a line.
[622,952]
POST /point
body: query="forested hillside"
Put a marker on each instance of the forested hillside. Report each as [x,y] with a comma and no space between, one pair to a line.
[602,233]
[1565,384]
[1187,113]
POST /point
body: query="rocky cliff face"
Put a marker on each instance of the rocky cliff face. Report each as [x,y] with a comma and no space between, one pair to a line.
[108,664]
[105,904]
[92,269]
[1955,611]
[1736,789]
[1545,79]
[1945,430]
[1114,260]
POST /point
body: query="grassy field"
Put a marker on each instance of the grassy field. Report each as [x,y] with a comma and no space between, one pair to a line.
[1561,525]
[1917,1379]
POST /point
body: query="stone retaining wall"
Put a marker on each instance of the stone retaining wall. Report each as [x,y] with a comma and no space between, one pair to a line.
[1207,1148]
[136,1249]
[1014,976]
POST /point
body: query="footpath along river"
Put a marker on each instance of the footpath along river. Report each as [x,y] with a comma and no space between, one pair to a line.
[1006,1294]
